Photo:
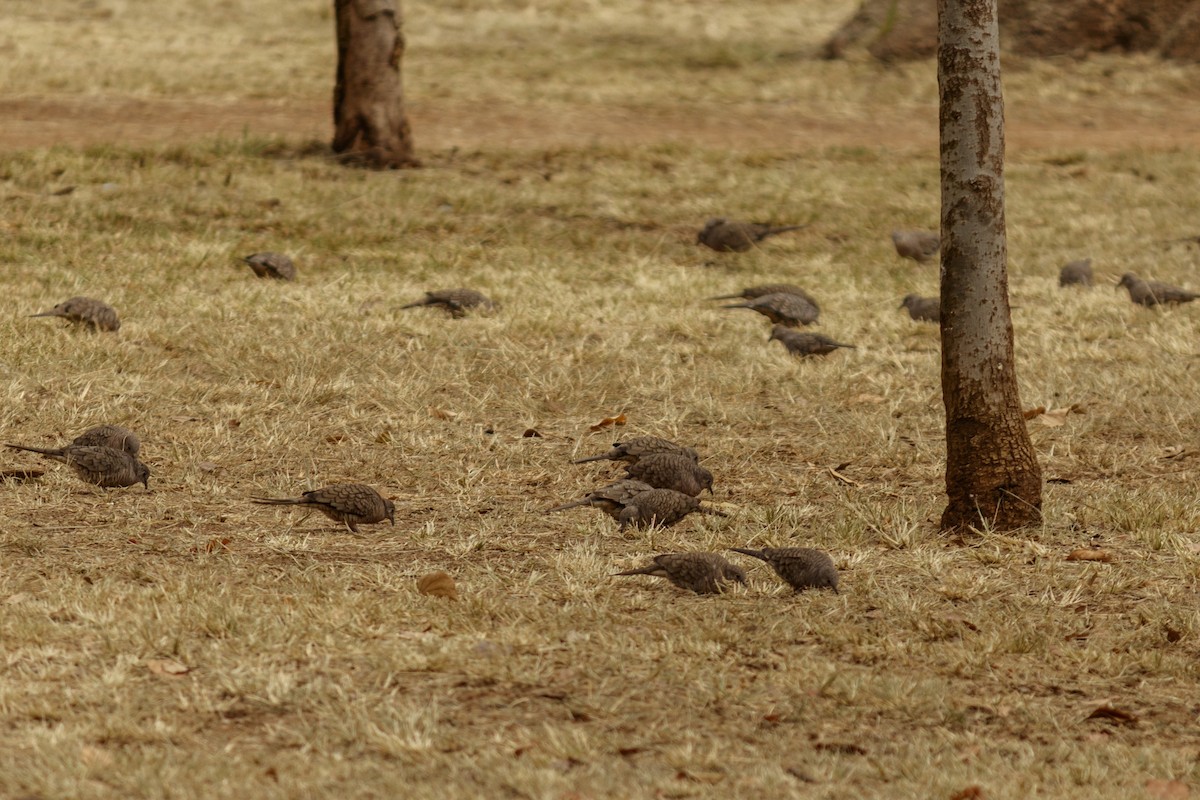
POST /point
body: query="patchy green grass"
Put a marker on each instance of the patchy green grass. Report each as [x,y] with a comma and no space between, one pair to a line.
[315,667]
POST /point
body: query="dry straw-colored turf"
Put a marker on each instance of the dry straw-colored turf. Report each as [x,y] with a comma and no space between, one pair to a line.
[313,665]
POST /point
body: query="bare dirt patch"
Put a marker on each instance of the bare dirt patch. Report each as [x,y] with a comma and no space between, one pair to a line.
[83,121]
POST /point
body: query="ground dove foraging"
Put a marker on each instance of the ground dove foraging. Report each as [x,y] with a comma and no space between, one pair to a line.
[102,466]
[113,436]
[352,504]
[632,450]
[610,499]
[923,309]
[702,573]
[671,471]
[728,236]
[662,507]
[920,246]
[457,301]
[272,265]
[803,344]
[753,292]
[94,314]
[782,309]
[1076,273]
[800,567]
[1152,293]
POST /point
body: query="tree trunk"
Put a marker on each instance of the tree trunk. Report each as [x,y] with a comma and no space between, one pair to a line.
[370,126]
[992,475]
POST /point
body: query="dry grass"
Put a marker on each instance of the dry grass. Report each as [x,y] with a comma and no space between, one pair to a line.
[316,669]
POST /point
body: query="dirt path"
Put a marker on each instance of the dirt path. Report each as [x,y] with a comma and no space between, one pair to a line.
[79,121]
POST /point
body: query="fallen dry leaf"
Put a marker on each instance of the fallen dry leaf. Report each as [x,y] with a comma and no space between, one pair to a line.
[1090,554]
[846,748]
[1117,716]
[969,793]
[1058,416]
[1167,790]
[531,433]
[167,667]
[839,476]
[437,584]
[1035,412]
[608,422]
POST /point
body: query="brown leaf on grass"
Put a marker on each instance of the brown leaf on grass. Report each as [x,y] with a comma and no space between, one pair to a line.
[845,748]
[608,422]
[441,413]
[214,544]
[66,190]
[437,584]
[1058,416]
[969,793]
[1090,554]
[699,776]
[167,667]
[799,774]
[531,433]
[1117,716]
[1167,790]
[1035,412]
[839,476]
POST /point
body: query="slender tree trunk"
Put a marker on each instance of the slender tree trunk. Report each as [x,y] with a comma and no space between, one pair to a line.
[992,475]
[370,126]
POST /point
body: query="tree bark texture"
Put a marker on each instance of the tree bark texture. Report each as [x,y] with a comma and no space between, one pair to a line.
[370,126]
[992,475]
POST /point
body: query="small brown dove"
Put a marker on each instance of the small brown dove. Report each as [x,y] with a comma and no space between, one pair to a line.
[272,265]
[802,343]
[702,573]
[352,504]
[610,499]
[753,292]
[94,314]
[923,309]
[800,567]
[1152,293]
[729,236]
[457,301]
[113,436]
[920,246]
[671,471]
[631,450]
[662,507]
[102,466]
[782,309]
[1076,273]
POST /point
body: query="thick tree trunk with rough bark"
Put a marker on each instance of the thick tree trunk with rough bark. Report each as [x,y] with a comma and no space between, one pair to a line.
[370,126]
[992,475]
